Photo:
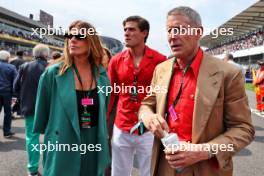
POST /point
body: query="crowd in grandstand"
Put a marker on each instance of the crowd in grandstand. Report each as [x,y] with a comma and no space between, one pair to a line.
[13,48]
[115,46]
[20,33]
[248,41]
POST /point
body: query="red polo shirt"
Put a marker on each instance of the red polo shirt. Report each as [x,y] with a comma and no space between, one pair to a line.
[121,72]
[182,126]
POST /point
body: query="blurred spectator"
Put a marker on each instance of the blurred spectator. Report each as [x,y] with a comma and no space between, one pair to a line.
[258,82]
[7,75]
[19,60]
[55,55]
[26,84]
[230,59]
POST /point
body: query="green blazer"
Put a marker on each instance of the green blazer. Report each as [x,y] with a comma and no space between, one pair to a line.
[56,116]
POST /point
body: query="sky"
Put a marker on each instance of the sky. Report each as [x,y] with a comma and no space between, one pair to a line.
[107,16]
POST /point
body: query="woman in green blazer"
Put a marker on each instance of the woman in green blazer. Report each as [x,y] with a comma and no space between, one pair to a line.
[71,108]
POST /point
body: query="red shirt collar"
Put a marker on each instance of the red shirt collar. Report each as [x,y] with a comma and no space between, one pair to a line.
[148,53]
[197,62]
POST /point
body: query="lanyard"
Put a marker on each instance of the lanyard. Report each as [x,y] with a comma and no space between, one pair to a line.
[135,73]
[80,80]
[177,98]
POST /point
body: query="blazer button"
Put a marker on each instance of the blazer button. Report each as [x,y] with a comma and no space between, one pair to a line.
[56,132]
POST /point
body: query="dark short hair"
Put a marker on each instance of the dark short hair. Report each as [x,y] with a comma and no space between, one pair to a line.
[230,56]
[143,24]
[20,53]
[108,52]
[56,55]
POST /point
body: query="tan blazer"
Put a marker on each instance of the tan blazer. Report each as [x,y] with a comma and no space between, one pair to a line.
[221,115]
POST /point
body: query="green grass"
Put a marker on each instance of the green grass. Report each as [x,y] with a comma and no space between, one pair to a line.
[249,86]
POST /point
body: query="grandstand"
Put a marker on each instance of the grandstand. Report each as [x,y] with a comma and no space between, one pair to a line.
[16,34]
[247,41]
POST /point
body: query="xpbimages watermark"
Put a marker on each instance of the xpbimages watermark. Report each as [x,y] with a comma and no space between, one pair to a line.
[189,30]
[50,31]
[187,146]
[148,90]
[58,147]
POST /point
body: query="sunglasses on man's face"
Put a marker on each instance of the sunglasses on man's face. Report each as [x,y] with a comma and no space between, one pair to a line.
[77,36]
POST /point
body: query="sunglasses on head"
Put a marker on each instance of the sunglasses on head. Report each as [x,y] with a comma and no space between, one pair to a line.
[77,36]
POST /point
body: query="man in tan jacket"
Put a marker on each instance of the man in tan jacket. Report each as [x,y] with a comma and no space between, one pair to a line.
[205,105]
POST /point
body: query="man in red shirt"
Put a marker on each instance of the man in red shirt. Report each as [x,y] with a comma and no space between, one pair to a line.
[206,106]
[132,70]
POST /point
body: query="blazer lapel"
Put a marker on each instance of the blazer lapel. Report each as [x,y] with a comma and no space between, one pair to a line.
[164,79]
[208,85]
[102,133]
[100,83]
[67,94]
